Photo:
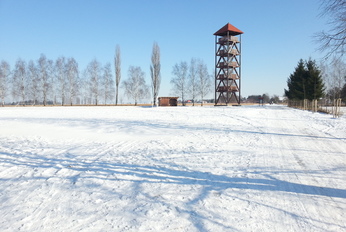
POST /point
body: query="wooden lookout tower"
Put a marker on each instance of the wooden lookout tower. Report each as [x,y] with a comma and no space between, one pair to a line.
[227,65]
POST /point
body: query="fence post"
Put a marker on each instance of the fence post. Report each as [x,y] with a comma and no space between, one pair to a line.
[314,105]
[305,104]
[337,103]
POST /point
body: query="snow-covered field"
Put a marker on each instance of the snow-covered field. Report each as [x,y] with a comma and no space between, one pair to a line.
[189,169]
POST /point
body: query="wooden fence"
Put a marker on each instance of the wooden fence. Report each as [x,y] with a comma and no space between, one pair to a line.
[319,106]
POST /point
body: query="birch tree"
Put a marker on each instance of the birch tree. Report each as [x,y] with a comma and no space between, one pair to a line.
[20,80]
[61,83]
[34,82]
[336,77]
[204,80]
[117,64]
[4,80]
[51,81]
[72,79]
[44,77]
[84,87]
[135,87]
[193,81]
[107,83]
[179,80]
[93,73]
[155,72]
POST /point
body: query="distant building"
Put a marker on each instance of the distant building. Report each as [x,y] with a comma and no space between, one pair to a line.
[168,101]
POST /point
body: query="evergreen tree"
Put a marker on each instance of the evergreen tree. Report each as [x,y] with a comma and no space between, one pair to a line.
[306,82]
[296,83]
[315,86]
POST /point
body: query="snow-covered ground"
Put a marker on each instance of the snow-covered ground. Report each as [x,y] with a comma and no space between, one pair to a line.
[189,169]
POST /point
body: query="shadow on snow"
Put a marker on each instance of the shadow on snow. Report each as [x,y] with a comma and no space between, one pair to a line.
[160,174]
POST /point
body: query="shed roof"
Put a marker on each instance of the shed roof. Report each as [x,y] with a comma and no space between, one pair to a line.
[228,28]
[168,97]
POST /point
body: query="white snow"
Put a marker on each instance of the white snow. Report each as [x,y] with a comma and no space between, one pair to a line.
[268,168]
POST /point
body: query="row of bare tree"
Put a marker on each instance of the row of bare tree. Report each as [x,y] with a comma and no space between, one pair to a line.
[60,82]
[191,81]
[136,87]
[55,82]
[334,75]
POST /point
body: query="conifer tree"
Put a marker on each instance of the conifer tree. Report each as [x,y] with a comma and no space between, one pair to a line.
[315,86]
[296,83]
[306,82]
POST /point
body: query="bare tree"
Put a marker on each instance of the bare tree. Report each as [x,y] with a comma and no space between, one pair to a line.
[204,80]
[334,40]
[20,80]
[193,81]
[4,77]
[179,80]
[117,64]
[84,88]
[72,78]
[155,72]
[60,66]
[107,83]
[94,76]
[34,82]
[43,67]
[51,81]
[337,76]
[135,87]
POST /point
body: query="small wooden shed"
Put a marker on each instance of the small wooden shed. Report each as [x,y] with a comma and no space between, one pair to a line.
[168,101]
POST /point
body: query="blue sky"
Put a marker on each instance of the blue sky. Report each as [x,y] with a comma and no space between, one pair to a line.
[277,33]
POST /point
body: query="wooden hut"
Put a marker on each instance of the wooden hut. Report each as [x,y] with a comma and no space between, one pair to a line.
[168,101]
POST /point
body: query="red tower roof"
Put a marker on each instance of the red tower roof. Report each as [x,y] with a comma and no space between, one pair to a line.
[228,27]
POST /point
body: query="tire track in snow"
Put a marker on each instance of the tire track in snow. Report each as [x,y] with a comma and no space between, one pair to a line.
[201,178]
[304,207]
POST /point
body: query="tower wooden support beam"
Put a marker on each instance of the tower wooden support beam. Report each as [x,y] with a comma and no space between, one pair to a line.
[227,65]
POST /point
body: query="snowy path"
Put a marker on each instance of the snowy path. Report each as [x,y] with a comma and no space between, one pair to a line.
[171,169]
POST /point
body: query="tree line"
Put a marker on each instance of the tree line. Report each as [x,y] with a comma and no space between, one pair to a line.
[191,80]
[334,75]
[60,81]
[305,82]
[313,82]
[310,81]
[46,81]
